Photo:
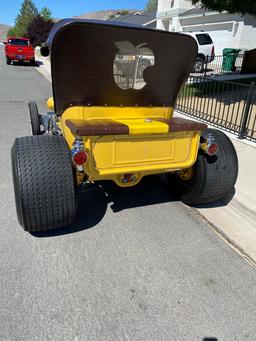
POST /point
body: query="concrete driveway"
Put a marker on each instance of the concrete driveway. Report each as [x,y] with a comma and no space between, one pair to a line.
[136,265]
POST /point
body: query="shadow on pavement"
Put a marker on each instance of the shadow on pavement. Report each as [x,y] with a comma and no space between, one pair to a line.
[37,63]
[94,202]
[150,191]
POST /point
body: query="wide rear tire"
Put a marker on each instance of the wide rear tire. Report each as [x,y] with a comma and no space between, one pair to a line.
[33,62]
[214,177]
[199,65]
[44,182]
[35,118]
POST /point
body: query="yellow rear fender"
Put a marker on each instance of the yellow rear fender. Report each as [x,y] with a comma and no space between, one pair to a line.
[148,148]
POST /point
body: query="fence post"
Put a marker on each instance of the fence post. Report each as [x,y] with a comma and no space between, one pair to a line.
[205,66]
[249,99]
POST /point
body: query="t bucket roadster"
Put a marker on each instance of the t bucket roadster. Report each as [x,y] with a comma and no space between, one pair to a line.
[114,90]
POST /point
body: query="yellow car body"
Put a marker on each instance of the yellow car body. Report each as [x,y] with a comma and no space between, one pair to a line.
[134,88]
[149,148]
[112,118]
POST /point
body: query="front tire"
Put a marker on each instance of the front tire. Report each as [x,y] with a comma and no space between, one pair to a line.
[214,177]
[8,61]
[35,119]
[44,182]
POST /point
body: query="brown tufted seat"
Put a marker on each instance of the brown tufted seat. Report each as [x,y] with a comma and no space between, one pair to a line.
[99,127]
[182,124]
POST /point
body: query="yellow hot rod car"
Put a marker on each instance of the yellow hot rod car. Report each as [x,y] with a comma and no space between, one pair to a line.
[114,90]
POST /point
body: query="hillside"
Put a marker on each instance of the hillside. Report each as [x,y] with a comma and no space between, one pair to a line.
[3,31]
[102,15]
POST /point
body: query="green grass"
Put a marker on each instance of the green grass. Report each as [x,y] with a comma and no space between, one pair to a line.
[188,90]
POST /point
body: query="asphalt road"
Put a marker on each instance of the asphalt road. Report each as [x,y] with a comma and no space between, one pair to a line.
[136,265]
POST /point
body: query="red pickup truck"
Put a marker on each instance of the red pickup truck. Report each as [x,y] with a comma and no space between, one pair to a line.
[19,49]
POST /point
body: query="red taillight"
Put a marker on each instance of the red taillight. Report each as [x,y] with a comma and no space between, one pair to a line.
[212,149]
[209,146]
[80,157]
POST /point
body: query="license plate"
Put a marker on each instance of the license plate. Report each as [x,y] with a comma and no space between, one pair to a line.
[20,56]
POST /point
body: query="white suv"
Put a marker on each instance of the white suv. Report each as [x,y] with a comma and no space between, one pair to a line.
[205,49]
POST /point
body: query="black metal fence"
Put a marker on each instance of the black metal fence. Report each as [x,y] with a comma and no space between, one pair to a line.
[128,75]
[229,105]
[220,65]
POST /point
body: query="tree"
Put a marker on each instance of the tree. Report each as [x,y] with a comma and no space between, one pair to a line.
[151,5]
[38,30]
[231,6]
[12,32]
[46,14]
[27,13]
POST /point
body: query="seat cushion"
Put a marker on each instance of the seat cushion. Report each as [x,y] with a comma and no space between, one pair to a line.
[138,126]
[97,127]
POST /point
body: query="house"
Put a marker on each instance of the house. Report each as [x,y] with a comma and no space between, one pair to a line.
[147,19]
[226,30]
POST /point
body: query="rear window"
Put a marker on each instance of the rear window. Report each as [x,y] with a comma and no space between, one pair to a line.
[20,42]
[204,39]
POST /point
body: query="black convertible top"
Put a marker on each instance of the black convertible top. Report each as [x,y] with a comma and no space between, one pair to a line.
[103,63]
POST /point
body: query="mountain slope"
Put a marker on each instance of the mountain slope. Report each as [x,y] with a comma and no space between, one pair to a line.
[102,15]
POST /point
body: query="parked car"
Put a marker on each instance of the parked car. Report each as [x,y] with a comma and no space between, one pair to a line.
[205,52]
[19,49]
[99,130]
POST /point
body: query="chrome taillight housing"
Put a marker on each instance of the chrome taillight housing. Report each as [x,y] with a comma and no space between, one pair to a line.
[210,146]
[78,153]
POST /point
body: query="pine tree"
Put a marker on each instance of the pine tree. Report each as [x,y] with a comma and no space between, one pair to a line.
[46,14]
[27,13]
[12,32]
[151,5]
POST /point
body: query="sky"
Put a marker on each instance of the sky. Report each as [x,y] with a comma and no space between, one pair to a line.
[66,8]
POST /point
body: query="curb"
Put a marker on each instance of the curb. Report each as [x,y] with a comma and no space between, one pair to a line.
[44,67]
[235,220]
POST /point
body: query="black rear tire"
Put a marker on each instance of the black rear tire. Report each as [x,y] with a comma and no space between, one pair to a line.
[33,62]
[35,119]
[214,177]
[44,182]
[8,61]
[199,65]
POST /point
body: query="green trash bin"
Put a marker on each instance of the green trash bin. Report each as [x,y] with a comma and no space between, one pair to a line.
[229,59]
